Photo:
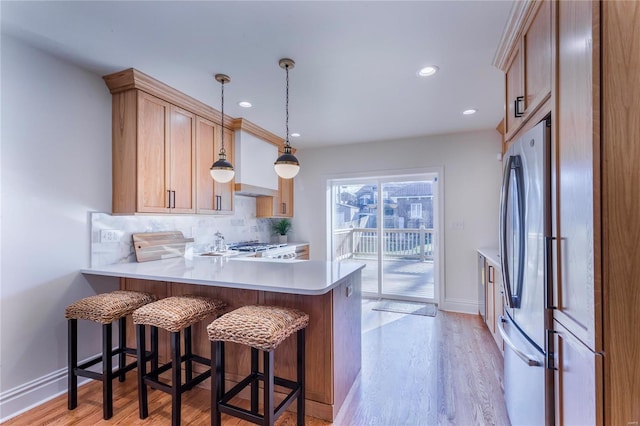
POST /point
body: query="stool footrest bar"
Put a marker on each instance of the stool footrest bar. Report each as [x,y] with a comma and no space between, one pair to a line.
[196,380]
[90,374]
[90,362]
[238,387]
[241,413]
[226,407]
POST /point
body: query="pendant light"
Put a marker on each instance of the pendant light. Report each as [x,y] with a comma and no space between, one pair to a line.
[287,165]
[222,170]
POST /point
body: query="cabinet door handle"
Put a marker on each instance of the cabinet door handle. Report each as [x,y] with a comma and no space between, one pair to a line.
[516,106]
[218,202]
[174,199]
[168,198]
[284,208]
[549,344]
[548,282]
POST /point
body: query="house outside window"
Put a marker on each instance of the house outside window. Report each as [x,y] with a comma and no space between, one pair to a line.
[416,210]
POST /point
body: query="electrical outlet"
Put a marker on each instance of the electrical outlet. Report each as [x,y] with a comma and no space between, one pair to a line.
[349,290]
[457,224]
[110,235]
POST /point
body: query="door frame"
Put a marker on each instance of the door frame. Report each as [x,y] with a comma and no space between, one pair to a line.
[388,175]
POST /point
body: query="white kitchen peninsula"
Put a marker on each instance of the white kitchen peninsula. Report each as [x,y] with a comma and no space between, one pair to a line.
[330,292]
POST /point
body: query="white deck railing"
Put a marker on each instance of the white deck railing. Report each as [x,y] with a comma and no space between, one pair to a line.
[409,243]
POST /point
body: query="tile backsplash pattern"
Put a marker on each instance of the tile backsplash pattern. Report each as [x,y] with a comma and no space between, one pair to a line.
[242,226]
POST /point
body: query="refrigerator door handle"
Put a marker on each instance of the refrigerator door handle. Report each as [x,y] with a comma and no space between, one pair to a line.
[503,231]
[528,359]
[513,290]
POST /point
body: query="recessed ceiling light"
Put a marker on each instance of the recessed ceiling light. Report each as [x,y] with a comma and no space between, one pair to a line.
[295,135]
[469,111]
[428,71]
[245,104]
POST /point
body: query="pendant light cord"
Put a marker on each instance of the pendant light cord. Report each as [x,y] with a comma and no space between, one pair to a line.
[287,107]
[222,151]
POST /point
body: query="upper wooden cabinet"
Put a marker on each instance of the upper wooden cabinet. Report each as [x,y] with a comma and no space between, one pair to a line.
[181,146]
[153,155]
[537,50]
[526,60]
[514,90]
[284,199]
[279,206]
[212,197]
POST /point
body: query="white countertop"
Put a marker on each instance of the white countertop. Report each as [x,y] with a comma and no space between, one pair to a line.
[311,277]
[491,254]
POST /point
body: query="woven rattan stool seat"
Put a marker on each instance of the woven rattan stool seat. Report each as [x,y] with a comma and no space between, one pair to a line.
[261,327]
[177,312]
[108,307]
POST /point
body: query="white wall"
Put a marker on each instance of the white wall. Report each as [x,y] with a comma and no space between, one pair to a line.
[471,194]
[56,167]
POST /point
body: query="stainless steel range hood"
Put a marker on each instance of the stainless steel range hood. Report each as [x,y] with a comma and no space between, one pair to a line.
[255,176]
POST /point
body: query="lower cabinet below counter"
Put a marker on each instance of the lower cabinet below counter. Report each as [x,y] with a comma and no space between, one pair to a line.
[493,298]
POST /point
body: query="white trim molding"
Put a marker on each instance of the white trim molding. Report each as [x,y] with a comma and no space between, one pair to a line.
[521,12]
[20,399]
[462,306]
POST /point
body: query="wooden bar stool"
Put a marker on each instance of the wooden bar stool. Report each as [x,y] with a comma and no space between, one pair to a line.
[263,328]
[104,309]
[173,314]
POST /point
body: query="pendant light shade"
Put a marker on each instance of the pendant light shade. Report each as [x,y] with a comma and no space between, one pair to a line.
[287,165]
[222,170]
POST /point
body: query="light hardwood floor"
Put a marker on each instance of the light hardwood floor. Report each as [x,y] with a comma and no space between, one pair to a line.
[416,370]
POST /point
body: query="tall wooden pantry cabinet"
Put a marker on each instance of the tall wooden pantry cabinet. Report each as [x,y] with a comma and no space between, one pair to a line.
[595,168]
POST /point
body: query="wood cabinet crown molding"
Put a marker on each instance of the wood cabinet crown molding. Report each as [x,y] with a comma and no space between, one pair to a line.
[259,132]
[521,12]
[132,78]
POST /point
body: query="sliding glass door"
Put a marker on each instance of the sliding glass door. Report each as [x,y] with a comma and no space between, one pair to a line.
[390,224]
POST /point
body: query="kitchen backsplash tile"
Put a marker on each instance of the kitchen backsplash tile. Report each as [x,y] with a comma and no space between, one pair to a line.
[242,226]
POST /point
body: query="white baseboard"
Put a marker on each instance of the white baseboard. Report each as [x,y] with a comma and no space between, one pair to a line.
[462,306]
[36,392]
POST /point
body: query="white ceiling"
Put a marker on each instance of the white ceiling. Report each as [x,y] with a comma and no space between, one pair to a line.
[356,61]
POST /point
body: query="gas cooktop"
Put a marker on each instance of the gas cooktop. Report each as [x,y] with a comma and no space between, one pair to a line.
[254,246]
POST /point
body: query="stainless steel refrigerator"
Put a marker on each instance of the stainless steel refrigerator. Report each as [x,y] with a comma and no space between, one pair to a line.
[524,227]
